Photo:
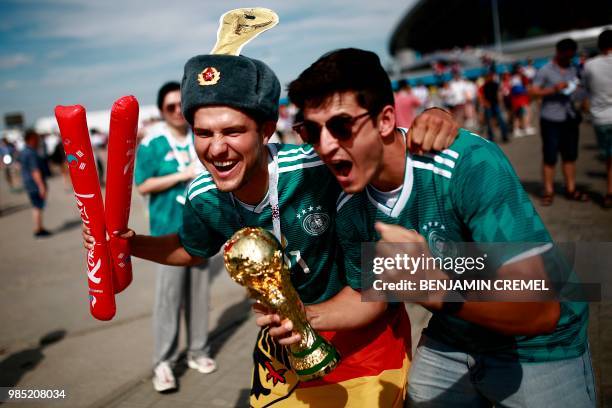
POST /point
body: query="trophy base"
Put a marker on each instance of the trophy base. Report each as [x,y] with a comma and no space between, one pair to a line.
[316,361]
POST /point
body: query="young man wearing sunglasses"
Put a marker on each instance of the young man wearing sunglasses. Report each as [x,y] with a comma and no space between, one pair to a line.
[231,102]
[471,353]
[165,164]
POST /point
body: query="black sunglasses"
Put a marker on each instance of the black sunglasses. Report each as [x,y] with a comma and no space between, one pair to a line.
[340,127]
[172,107]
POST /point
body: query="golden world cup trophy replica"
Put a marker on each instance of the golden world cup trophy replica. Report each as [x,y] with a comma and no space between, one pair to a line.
[254,259]
[239,26]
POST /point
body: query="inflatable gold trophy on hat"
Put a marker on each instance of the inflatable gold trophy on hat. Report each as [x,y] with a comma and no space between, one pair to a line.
[253,258]
[238,27]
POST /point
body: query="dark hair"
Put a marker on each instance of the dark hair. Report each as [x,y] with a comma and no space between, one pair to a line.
[604,41]
[165,90]
[566,44]
[344,70]
[30,134]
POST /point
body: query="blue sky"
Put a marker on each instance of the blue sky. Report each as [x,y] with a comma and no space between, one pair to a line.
[92,52]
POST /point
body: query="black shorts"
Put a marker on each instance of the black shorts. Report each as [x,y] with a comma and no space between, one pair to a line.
[36,200]
[559,137]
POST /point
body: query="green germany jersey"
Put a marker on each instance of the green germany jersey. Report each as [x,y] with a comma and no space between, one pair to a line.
[307,194]
[156,158]
[467,193]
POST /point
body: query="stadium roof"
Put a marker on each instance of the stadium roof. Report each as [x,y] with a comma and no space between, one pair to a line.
[445,24]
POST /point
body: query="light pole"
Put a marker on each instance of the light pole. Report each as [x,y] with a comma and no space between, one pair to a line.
[496,27]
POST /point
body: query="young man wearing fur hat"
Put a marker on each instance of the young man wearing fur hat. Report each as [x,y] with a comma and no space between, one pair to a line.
[232,104]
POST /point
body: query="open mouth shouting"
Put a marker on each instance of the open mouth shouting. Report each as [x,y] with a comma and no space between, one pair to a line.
[341,169]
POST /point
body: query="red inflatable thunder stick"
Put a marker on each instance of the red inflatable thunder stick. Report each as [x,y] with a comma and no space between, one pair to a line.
[73,128]
[119,173]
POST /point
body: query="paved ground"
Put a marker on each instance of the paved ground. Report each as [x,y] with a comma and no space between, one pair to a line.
[48,340]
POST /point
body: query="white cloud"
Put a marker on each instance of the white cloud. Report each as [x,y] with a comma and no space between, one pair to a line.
[120,23]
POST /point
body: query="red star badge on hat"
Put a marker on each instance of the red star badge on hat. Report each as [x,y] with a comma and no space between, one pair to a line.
[209,76]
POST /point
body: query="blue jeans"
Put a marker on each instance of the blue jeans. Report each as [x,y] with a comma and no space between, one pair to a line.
[441,376]
[495,112]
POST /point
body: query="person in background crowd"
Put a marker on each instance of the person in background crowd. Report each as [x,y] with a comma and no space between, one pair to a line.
[457,95]
[439,70]
[165,164]
[283,125]
[491,101]
[471,98]
[582,59]
[489,64]
[98,144]
[58,158]
[555,83]
[43,153]
[445,95]
[7,161]
[435,95]
[294,137]
[480,117]
[33,176]
[529,71]
[505,87]
[406,104]
[148,125]
[422,93]
[519,100]
[598,82]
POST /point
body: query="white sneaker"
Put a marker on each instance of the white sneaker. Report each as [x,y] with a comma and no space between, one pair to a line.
[163,378]
[203,364]
[530,131]
[519,133]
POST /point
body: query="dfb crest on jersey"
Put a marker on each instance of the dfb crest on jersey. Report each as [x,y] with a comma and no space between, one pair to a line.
[314,221]
[439,244]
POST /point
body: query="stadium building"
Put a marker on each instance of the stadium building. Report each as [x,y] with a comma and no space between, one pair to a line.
[465,31]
